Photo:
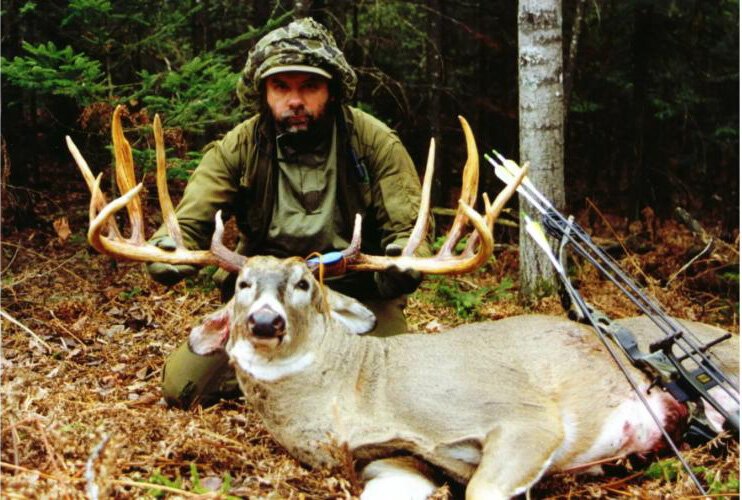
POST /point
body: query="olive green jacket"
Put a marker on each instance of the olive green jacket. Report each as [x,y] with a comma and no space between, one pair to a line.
[238,175]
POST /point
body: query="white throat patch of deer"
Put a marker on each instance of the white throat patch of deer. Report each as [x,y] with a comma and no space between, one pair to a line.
[495,405]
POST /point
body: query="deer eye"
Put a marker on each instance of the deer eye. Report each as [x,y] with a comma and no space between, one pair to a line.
[302,284]
[243,284]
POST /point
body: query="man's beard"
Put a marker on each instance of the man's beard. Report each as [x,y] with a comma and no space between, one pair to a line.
[302,129]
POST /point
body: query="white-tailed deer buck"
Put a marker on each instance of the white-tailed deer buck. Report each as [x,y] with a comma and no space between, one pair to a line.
[495,405]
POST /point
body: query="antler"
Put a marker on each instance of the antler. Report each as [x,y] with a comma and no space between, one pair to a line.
[135,247]
[445,261]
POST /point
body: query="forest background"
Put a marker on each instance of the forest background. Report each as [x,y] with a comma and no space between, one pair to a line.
[652,89]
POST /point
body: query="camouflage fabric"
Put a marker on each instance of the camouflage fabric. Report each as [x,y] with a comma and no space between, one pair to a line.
[304,42]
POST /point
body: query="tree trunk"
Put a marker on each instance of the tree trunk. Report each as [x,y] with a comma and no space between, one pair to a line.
[541,110]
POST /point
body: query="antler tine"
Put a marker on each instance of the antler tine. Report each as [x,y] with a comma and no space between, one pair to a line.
[423,215]
[94,211]
[97,199]
[125,175]
[469,186]
[493,210]
[166,203]
[355,242]
[227,259]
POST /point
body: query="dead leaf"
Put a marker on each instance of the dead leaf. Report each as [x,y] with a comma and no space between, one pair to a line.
[111,331]
[211,483]
[143,400]
[77,325]
[433,326]
[62,227]
[118,368]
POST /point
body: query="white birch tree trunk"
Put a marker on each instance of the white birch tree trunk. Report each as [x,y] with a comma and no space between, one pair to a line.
[541,114]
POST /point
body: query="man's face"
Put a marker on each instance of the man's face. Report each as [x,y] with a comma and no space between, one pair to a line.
[297,99]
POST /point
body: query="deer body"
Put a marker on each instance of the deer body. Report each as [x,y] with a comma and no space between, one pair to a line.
[496,404]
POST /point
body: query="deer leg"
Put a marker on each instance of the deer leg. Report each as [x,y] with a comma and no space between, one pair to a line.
[401,478]
[514,456]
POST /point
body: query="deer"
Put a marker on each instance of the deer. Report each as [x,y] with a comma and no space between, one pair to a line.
[494,405]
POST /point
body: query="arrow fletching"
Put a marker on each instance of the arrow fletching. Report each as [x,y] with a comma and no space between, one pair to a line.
[536,231]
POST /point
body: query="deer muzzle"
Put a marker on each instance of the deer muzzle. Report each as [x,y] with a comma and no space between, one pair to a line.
[265,323]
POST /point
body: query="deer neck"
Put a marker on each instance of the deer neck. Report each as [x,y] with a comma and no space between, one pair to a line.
[317,398]
[328,357]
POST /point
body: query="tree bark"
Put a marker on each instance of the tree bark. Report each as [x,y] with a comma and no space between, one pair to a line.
[541,116]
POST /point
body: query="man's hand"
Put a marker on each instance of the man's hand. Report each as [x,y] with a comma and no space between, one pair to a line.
[168,274]
[394,281]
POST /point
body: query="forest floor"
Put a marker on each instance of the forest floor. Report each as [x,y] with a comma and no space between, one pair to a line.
[84,338]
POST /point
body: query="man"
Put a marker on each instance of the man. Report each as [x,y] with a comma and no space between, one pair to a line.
[294,176]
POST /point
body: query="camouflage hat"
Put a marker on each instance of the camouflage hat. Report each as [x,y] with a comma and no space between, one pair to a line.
[303,43]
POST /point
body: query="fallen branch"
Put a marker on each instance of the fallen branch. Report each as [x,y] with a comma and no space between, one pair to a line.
[587,465]
[25,329]
[92,488]
[697,229]
[20,468]
[688,264]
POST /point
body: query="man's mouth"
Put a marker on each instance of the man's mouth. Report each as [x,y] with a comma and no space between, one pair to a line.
[296,123]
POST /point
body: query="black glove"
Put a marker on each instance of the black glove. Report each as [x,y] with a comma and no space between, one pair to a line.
[168,274]
[394,281]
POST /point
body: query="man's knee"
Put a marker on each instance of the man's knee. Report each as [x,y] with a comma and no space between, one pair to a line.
[188,378]
[390,318]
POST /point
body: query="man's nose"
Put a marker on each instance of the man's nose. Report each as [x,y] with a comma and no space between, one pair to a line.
[295,101]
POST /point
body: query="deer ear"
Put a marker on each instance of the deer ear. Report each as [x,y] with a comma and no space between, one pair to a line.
[349,312]
[212,333]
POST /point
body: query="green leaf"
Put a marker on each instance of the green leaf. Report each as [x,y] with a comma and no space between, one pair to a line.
[663,469]
[27,8]
[54,71]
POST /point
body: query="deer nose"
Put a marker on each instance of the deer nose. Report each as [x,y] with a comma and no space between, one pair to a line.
[265,322]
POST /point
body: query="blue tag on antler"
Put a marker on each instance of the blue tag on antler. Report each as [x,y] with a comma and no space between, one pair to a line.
[328,258]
